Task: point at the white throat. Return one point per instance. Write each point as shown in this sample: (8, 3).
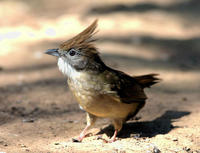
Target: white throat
(67, 69)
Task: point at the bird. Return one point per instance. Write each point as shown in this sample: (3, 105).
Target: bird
(101, 91)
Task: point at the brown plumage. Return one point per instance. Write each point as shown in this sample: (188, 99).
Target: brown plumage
(83, 41)
(100, 90)
(147, 80)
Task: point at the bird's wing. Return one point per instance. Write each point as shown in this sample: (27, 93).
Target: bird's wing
(123, 88)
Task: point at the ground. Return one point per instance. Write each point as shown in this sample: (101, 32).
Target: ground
(38, 112)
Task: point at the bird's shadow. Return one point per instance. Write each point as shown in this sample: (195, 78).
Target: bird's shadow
(161, 125)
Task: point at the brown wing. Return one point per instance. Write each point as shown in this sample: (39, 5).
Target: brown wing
(123, 88)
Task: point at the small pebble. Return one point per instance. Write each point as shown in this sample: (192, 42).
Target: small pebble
(3, 143)
(22, 145)
(71, 121)
(28, 120)
(175, 139)
(99, 137)
(57, 143)
(184, 99)
(136, 136)
(186, 149)
(156, 150)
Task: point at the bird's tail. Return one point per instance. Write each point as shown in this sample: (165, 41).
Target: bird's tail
(147, 80)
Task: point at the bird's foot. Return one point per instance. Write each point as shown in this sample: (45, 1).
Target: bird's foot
(107, 141)
(79, 139)
(113, 139)
(76, 140)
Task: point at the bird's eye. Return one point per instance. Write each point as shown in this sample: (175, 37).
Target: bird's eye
(72, 52)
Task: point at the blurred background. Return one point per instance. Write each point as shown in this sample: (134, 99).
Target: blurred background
(135, 36)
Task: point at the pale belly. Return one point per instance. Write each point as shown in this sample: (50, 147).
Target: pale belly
(100, 105)
(103, 106)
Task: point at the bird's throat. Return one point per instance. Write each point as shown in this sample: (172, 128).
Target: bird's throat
(67, 69)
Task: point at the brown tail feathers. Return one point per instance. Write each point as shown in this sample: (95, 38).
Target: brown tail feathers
(147, 80)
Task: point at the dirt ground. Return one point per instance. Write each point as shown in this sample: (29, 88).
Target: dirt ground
(39, 114)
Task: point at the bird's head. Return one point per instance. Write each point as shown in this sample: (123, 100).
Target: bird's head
(78, 53)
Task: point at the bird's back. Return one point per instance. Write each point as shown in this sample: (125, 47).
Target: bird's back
(111, 94)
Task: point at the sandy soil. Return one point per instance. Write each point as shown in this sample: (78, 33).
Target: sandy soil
(39, 114)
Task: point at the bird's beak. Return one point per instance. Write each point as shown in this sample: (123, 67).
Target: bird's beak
(53, 52)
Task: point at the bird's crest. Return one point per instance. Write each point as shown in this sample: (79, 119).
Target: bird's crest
(83, 41)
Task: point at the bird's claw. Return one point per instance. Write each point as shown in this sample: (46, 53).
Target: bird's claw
(106, 141)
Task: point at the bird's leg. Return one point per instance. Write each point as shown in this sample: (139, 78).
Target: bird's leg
(113, 139)
(117, 123)
(90, 121)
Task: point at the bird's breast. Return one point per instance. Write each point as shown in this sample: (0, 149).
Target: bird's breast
(84, 84)
(85, 88)
(89, 93)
